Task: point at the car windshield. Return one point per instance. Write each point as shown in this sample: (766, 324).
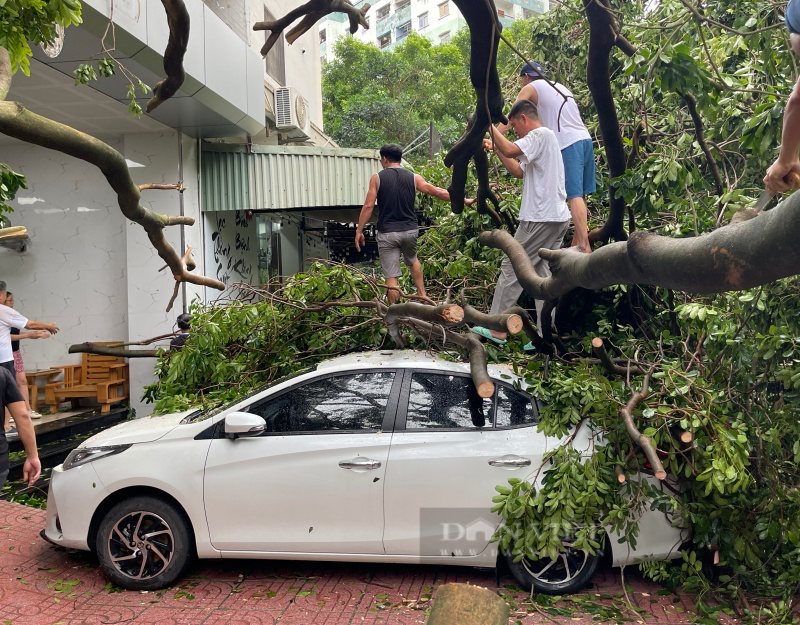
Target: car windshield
(206, 413)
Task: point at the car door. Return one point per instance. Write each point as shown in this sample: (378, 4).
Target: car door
(313, 481)
(449, 451)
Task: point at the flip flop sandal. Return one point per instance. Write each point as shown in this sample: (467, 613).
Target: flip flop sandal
(529, 347)
(484, 332)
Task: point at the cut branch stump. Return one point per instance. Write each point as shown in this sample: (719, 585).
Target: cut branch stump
(463, 604)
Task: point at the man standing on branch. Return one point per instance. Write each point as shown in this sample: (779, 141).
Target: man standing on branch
(395, 189)
(543, 215)
(787, 162)
(11, 398)
(559, 112)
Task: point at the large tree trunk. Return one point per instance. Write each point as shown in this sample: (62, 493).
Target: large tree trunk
(735, 257)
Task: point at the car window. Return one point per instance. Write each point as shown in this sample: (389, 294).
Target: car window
(514, 408)
(342, 402)
(446, 401)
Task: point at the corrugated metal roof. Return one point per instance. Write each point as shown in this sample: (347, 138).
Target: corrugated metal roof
(283, 177)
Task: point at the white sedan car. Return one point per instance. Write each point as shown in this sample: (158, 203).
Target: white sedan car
(371, 457)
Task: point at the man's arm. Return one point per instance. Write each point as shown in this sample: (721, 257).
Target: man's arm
(511, 164)
(528, 92)
(423, 186)
(52, 328)
(36, 334)
(787, 160)
(366, 210)
(32, 467)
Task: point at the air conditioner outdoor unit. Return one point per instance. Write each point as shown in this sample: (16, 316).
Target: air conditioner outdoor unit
(291, 113)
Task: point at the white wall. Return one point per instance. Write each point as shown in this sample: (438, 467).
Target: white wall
(74, 270)
(156, 157)
(87, 268)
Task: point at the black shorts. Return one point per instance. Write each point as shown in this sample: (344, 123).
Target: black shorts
(792, 16)
(10, 366)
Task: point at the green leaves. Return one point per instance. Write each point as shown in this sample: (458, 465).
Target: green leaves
(10, 184)
(32, 22)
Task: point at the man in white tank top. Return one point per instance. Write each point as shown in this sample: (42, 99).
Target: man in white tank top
(559, 112)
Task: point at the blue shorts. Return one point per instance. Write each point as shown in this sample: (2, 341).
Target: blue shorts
(579, 171)
(792, 16)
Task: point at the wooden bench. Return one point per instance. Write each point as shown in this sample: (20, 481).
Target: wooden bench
(103, 378)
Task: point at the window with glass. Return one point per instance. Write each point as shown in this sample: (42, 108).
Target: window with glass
(403, 30)
(444, 9)
(382, 12)
(354, 402)
(514, 408)
(402, 4)
(323, 35)
(423, 20)
(439, 401)
(444, 37)
(385, 40)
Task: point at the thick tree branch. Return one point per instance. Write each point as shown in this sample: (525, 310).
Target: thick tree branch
(735, 257)
(108, 350)
(5, 73)
(18, 122)
(626, 412)
(311, 12)
(178, 20)
(444, 314)
(504, 322)
(603, 35)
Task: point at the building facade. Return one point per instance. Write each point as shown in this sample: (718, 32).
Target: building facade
(390, 21)
(93, 272)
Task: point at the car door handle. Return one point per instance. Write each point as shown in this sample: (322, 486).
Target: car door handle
(510, 462)
(360, 464)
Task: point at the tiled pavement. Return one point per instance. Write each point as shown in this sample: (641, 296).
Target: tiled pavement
(43, 585)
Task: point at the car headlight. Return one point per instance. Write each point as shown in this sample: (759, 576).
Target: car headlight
(85, 455)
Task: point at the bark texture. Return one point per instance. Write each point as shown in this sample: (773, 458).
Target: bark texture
(311, 12)
(178, 20)
(603, 36)
(735, 257)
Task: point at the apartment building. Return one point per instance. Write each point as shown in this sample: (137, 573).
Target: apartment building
(391, 21)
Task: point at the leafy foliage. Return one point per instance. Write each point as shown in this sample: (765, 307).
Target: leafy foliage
(372, 97)
(26, 22)
(10, 183)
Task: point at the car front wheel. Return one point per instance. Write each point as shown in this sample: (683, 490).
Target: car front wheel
(568, 573)
(144, 543)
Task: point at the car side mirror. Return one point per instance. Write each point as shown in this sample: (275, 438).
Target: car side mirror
(241, 424)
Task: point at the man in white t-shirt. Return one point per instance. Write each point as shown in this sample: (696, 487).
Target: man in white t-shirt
(543, 214)
(10, 318)
(558, 111)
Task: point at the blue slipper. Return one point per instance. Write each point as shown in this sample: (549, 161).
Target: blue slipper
(13, 430)
(529, 347)
(481, 331)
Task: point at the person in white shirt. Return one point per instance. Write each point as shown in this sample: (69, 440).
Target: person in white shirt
(558, 111)
(543, 214)
(10, 318)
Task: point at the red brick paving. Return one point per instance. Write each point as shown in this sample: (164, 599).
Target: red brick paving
(44, 585)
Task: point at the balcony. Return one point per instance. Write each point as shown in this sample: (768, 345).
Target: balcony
(392, 21)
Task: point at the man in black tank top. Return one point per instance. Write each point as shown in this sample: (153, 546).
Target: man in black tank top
(395, 190)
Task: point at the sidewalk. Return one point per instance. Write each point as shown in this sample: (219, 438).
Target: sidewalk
(44, 585)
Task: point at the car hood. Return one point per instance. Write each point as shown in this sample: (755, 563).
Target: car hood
(142, 430)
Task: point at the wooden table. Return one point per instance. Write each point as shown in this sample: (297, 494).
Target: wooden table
(34, 389)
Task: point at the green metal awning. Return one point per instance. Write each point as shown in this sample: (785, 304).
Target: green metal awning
(284, 177)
